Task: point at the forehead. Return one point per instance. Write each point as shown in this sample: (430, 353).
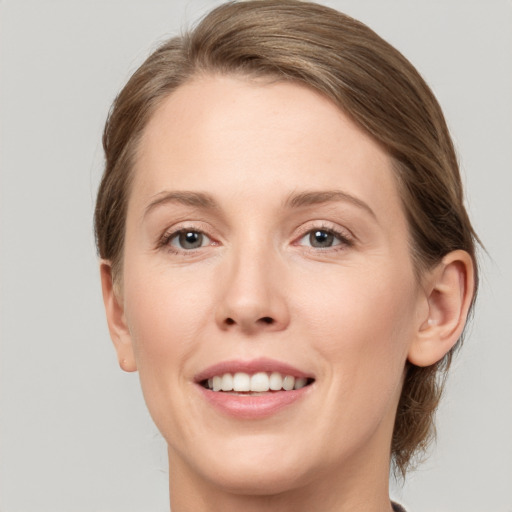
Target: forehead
(252, 139)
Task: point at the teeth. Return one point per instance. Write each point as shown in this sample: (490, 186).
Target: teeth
(288, 383)
(260, 382)
(241, 382)
(227, 382)
(217, 383)
(300, 382)
(276, 381)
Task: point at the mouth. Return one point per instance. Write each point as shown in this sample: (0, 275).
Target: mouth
(256, 389)
(254, 384)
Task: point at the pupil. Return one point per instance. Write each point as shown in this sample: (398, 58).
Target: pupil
(191, 240)
(321, 239)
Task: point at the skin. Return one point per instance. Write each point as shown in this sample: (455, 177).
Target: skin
(350, 314)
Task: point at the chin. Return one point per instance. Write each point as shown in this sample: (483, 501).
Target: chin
(251, 467)
(247, 479)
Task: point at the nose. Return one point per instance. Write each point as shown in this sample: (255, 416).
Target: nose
(252, 294)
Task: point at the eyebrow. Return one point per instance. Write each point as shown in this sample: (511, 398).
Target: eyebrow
(195, 199)
(310, 198)
(295, 200)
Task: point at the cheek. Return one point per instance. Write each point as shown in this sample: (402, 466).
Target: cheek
(362, 324)
(359, 300)
(164, 312)
(165, 317)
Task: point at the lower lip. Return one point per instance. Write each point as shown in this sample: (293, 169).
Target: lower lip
(253, 406)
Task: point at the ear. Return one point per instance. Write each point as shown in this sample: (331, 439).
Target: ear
(449, 289)
(117, 327)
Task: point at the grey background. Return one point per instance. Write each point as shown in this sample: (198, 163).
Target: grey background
(75, 435)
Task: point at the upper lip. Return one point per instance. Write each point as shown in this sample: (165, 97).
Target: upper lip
(251, 366)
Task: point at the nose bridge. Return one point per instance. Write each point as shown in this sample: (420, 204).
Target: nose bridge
(251, 295)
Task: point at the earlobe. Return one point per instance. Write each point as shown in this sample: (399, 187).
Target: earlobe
(119, 332)
(449, 288)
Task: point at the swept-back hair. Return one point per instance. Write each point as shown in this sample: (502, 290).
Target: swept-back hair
(368, 80)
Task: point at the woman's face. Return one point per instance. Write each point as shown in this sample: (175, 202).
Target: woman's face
(265, 238)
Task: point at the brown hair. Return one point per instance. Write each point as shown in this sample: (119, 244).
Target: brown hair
(362, 74)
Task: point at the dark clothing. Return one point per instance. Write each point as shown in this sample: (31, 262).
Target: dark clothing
(397, 507)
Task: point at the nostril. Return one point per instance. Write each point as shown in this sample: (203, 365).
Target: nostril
(263, 320)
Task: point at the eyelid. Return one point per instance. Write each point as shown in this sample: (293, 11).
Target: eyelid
(344, 234)
(168, 234)
(172, 237)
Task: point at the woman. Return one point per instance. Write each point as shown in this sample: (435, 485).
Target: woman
(286, 257)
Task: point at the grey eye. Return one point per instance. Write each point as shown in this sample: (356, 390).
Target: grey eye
(189, 240)
(320, 239)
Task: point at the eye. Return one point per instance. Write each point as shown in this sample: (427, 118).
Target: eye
(188, 239)
(322, 239)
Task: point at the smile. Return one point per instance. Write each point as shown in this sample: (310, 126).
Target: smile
(260, 382)
(255, 389)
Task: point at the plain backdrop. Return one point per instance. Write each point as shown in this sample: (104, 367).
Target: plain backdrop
(75, 434)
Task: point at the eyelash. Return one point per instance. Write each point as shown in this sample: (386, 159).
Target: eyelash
(345, 240)
(167, 237)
